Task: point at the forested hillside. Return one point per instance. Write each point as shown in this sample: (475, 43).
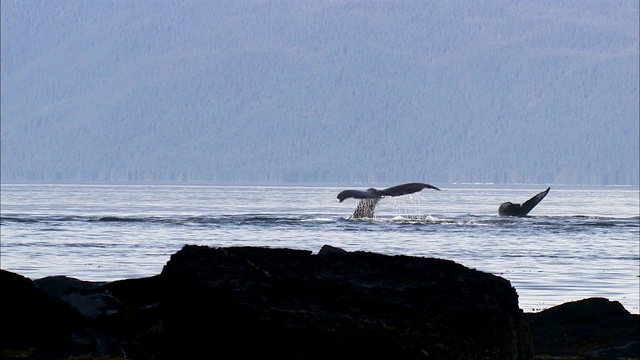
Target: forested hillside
(320, 91)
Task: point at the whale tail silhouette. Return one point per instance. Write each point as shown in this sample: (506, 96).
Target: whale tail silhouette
(511, 209)
(368, 199)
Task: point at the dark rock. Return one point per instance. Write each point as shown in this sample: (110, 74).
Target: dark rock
(29, 318)
(589, 328)
(140, 326)
(290, 304)
(243, 302)
(138, 293)
(90, 299)
(88, 342)
(328, 249)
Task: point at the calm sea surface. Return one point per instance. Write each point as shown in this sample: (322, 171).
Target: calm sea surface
(579, 242)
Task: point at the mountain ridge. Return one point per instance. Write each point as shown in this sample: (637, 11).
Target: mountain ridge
(340, 91)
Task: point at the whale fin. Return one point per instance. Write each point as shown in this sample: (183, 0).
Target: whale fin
(511, 209)
(528, 205)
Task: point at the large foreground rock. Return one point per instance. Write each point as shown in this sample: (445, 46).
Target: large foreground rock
(243, 302)
(290, 304)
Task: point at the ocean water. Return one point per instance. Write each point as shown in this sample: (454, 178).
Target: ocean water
(579, 242)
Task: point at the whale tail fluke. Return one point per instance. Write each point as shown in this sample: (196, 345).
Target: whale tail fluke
(368, 199)
(358, 194)
(511, 209)
(405, 189)
(528, 205)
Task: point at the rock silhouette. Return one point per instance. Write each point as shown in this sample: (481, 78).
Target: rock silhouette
(240, 302)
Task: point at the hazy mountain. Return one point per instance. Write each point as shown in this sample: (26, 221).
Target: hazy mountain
(321, 91)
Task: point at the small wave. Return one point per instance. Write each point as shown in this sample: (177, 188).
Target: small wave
(319, 220)
(120, 219)
(38, 219)
(17, 219)
(415, 219)
(431, 220)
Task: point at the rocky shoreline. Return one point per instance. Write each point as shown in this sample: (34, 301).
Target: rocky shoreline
(243, 302)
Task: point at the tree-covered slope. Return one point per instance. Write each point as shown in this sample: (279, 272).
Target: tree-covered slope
(328, 91)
